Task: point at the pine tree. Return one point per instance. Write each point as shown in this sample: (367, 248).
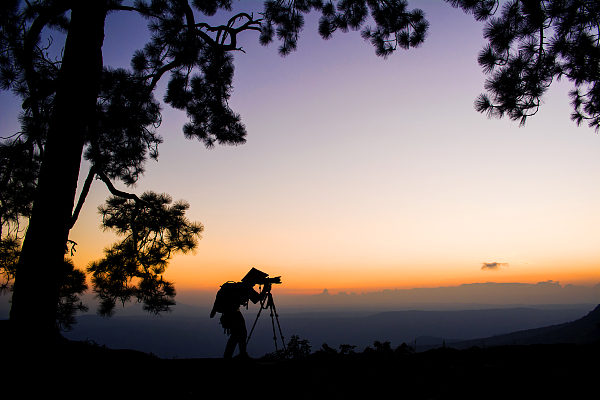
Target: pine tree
(76, 107)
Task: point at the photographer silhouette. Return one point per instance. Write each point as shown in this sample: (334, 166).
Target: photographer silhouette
(230, 297)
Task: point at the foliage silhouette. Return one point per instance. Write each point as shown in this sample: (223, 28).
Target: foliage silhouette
(395, 25)
(133, 267)
(112, 119)
(72, 286)
(295, 349)
(72, 283)
(381, 349)
(531, 44)
(347, 349)
(10, 249)
(326, 350)
(404, 349)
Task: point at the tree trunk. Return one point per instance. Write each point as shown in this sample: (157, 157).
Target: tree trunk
(35, 297)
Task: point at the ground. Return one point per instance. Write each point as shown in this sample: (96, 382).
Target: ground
(77, 369)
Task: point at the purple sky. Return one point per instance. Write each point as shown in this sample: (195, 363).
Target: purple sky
(362, 173)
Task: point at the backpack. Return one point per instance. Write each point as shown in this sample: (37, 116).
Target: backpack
(229, 297)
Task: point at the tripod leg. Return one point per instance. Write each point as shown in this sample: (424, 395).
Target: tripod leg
(256, 320)
(273, 324)
(278, 325)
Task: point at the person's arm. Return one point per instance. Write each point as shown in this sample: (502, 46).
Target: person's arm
(255, 297)
(266, 289)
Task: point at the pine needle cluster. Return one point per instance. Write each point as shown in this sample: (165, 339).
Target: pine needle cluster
(533, 43)
(395, 25)
(153, 231)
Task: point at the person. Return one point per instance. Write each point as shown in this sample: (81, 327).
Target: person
(230, 297)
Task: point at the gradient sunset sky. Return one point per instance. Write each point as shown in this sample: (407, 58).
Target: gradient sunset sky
(363, 174)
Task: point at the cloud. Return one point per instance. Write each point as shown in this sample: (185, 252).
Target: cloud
(493, 266)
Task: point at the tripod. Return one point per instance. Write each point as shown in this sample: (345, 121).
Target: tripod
(269, 304)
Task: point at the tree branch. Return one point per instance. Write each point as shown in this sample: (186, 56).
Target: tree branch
(26, 57)
(116, 192)
(228, 30)
(83, 195)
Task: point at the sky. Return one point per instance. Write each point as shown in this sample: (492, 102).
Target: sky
(363, 174)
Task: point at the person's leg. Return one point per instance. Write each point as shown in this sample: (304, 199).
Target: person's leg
(230, 347)
(238, 335)
(227, 321)
(243, 336)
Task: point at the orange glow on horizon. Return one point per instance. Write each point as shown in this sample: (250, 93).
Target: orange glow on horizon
(213, 265)
(295, 281)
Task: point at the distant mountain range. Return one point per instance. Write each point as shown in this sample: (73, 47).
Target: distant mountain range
(201, 337)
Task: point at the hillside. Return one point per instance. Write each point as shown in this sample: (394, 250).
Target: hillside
(585, 330)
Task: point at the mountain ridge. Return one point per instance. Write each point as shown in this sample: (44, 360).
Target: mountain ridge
(585, 330)
(200, 336)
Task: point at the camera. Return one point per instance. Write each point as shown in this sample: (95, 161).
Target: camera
(257, 277)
